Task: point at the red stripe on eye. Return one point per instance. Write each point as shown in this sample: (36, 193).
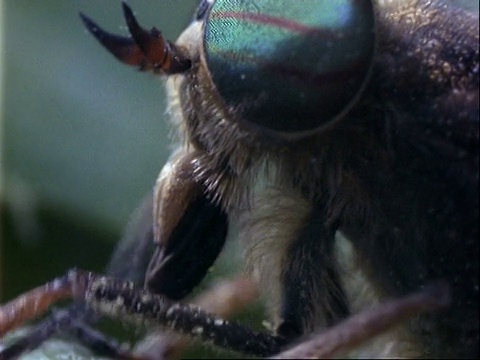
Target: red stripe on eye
(319, 80)
(273, 21)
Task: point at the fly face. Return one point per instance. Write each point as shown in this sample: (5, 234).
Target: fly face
(301, 121)
(359, 118)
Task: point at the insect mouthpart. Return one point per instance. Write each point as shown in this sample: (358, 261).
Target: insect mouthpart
(146, 49)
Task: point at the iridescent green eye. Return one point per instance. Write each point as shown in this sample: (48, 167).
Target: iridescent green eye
(289, 66)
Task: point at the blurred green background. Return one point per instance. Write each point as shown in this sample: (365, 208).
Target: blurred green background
(84, 136)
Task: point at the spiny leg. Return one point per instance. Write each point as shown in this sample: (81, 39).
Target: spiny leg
(312, 293)
(72, 322)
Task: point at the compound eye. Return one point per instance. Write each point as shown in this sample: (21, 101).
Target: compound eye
(289, 66)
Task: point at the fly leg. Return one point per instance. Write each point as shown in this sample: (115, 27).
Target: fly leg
(312, 293)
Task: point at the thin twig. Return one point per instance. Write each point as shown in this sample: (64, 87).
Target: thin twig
(34, 303)
(122, 300)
